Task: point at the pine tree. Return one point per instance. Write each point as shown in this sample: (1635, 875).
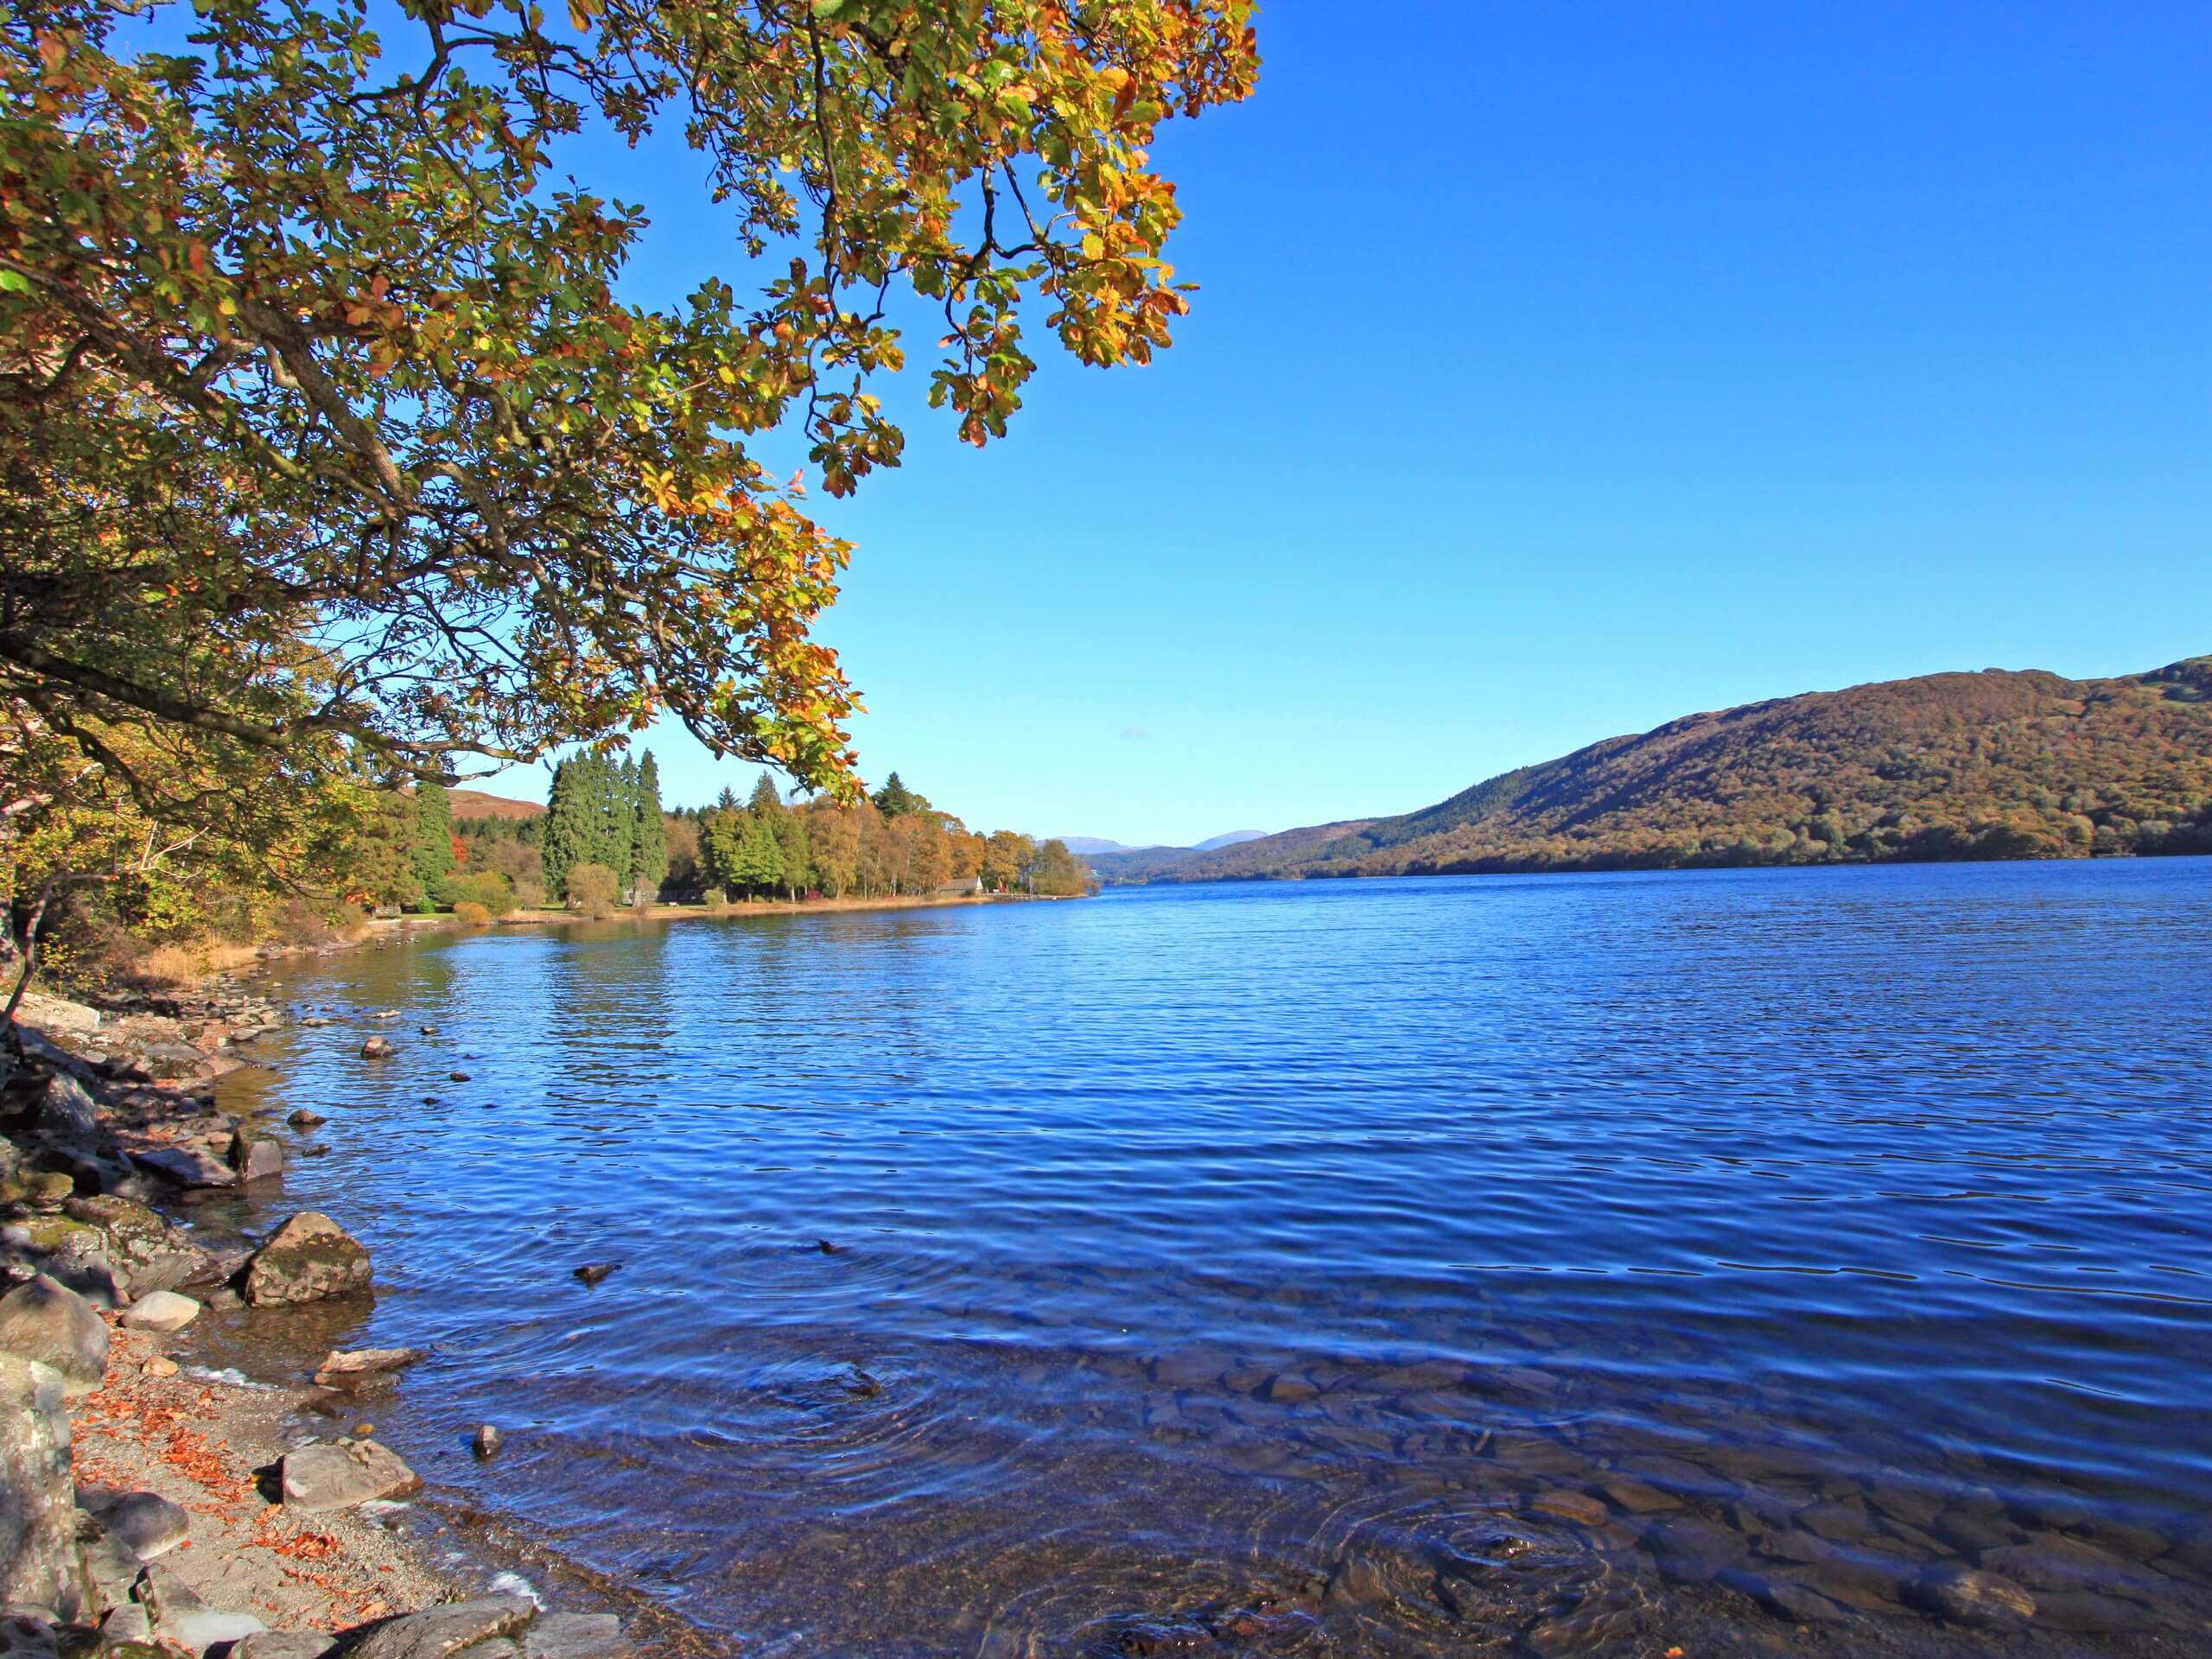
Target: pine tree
(894, 799)
(648, 830)
(618, 814)
(759, 861)
(569, 839)
(765, 802)
(431, 845)
(791, 839)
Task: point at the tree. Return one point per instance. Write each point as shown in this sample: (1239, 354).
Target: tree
(648, 828)
(791, 842)
(1006, 860)
(757, 860)
(895, 800)
(833, 840)
(431, 845)
(593, 888)
(567, 838)
(311, 351)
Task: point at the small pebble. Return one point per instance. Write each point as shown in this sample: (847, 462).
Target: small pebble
(159, 1365)
(486, 1442)
(457, 1076)
(428, 1031)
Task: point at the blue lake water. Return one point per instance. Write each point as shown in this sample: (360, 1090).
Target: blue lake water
(1583, 1263)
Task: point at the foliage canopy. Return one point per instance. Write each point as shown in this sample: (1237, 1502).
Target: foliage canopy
(323, 430)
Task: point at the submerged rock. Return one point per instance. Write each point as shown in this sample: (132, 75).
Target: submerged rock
(47, 1322)
(592, 1271)
(1966, 1597)
(302, 1118)
(338, 1475)
(576, 1635)
(486, 1442)
(379, 1048)
(355, 1366)
(310, 1257)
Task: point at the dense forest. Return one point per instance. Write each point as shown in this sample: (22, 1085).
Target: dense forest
(604, 839)
(1993, 765)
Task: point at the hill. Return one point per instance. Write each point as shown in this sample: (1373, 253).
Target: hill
(1993, 765)
(476, 804)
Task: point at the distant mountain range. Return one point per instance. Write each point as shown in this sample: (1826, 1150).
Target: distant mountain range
(1090, 845)
(1993, 765)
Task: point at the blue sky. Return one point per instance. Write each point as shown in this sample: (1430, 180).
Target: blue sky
(1559, 370)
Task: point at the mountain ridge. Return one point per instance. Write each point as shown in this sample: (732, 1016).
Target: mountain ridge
(2001, 764)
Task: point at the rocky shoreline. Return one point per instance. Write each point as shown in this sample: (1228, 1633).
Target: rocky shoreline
(154, 1504)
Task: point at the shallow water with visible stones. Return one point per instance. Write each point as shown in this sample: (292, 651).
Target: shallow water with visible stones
(1758, 1261)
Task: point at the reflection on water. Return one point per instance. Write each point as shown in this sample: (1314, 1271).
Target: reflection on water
(1764, 1261)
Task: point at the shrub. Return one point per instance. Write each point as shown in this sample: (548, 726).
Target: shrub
(713, 898)
(528, 891)
(469, 913)
(593, 889)
(487, 888)
(298, 923)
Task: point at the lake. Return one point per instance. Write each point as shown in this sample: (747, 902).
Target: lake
(1730, 1260)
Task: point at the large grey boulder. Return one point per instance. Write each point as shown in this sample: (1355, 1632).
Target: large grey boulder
(39, 1562)
(311, 1257)
(337, 1475)
(145, 1523)
(436, 1632)
(150, 1253)
(66, 1117)
(45, 1321)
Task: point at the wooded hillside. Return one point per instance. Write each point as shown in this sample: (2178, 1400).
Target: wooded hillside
(1993, 765)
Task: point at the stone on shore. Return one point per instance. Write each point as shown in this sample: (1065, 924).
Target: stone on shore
(65, 1116)
(436, 1632)
(576, 1635)
(47, 1322)
(255, 1160)
(311, 1257)
(145, 1523)
(39, 1562)
(359, 1365)
(191, 1166)
(338, 1475)
(161, 1310)
(284, 1644)
(182, 1619)
(150, 1253)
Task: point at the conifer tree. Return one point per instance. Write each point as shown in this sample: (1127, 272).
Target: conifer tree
(648, 830)
(759, 861)
(617, 819)
(569, 839)
(431, 848)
